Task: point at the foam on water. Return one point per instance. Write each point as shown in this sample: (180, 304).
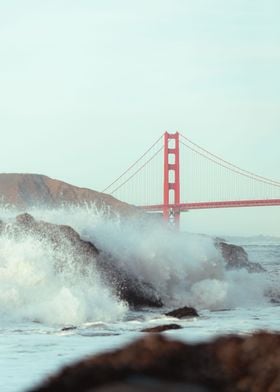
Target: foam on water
(183, 268)
(32, 287)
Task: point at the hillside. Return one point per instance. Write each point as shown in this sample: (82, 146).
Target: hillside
(28, 190)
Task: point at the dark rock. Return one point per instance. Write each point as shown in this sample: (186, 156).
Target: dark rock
(162, 328)
(229, 364)
(59, 236)
(128, 287)
(273, 294)
(184, 312)
(26, 220)
(69, 328)
(275, 300)
(236, 257)
(67, 242)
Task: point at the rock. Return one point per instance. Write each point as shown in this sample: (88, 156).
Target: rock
(26, 220)
(273, 294)
(128, 287)
(236, 257)
(162, 328)
(66, 241)
(229, 364)
(184, 312)
(69, 328)
(58, 235)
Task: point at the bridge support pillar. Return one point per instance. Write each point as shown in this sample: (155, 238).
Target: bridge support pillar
(171, 179)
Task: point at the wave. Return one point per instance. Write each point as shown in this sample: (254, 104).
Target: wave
(182, 268)
(33, 287)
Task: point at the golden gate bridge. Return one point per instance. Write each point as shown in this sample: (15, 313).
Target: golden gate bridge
(176, 175)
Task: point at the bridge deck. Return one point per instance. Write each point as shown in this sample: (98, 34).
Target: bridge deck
(213, 204)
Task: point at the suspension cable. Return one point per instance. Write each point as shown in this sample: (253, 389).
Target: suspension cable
(235, 169)
(250, 174)
(131, 166)
(138, 170)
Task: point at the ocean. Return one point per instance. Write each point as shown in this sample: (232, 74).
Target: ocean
(50, 318)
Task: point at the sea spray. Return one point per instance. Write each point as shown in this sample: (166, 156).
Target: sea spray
(184, 269)
(39, 282)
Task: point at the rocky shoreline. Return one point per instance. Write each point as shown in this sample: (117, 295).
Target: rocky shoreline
(129, 288)
(153, 363)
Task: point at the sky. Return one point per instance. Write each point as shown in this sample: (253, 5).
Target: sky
(87, 86)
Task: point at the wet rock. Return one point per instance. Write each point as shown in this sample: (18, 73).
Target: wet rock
(68, 328)
(162, 328)
(26, 220)
(137, 294)
(273, 294)
(58, 235)
(229, 364)
(275, 300)
(67, 242)
(236, 257)
(127, 287)
(184, 312)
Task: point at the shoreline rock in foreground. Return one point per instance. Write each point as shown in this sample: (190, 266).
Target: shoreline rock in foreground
(229, 364)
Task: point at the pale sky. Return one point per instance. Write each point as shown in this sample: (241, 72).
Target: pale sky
(86, 86)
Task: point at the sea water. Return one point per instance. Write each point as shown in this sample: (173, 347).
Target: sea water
(49, 319)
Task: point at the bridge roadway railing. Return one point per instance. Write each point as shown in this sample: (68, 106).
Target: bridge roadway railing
(213, 204)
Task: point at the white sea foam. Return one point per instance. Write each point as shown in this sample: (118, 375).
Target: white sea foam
(32, 287)
(183, 268)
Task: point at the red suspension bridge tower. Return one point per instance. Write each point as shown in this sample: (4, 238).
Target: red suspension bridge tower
(171, 179)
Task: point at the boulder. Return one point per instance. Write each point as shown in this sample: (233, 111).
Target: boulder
(236, 257)
(66, 241)
(228, 364)
(59, 236)
(184, 312)
(68, 328)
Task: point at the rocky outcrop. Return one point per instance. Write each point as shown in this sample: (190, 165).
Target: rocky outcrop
(67, 242)
(236, 257)
(57, 235)
(124, 284)
(32, 190)
(229, 364)
(184, 312)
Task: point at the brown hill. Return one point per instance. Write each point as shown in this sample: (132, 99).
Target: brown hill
(29, 190)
